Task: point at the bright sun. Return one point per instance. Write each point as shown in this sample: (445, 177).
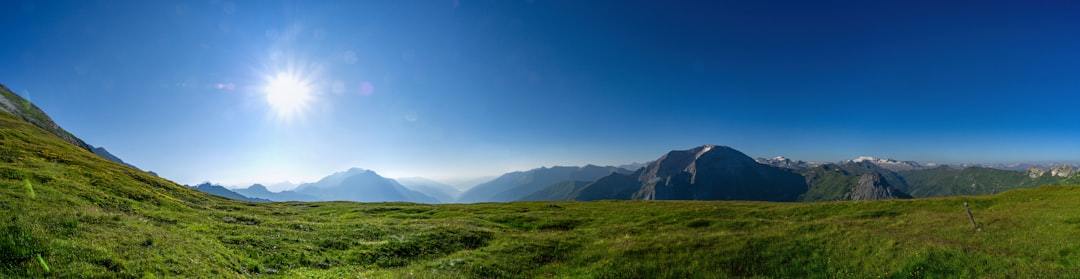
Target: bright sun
(287, 94)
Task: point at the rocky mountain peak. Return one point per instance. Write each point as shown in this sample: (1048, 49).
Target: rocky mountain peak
(685, 161)
(713, 172)
(872, 186)
(258, 188)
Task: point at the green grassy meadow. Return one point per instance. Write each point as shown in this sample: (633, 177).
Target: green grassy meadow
(68, 213)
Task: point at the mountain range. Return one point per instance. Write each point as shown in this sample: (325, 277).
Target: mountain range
(712, 172)
(223, 192)
(708, 172)
(261, 192)
(517, 185)
(890, 164)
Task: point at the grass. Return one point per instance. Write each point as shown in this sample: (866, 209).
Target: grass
(947, 181)
(68, 213)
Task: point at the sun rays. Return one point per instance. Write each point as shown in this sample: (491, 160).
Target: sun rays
(288, 94)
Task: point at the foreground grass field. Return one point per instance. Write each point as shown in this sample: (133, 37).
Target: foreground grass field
(68, 213)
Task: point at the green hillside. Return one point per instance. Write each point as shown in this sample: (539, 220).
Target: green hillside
(833, 182)
(21, 108)
(562, 191)
(948, 181)
(69, 213)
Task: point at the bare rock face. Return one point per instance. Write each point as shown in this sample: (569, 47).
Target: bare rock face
(872, 186)
(712, 172)
(1035, 172)
(1062, 171)
(708, 172)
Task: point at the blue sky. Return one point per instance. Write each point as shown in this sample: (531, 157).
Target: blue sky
(470, 88)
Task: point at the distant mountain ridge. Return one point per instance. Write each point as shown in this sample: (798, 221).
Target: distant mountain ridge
(783, 162)
(221, 191)
(727, 174)
(890, 164)
(361, 185)
(517, 185)
(708, 172)
(261, 192)
(354, 184)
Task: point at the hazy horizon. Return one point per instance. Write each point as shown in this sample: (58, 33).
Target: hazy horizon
(467, 182)
(243, 92)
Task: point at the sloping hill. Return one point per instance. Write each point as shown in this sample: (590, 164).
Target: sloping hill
(23, 109)
(70, 213)
(950, 181)
(78, 211)
(562, 191)
(15, 105)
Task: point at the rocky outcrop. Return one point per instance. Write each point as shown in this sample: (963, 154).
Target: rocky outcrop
(1035, 172)
(872, 186)
(1062, 171)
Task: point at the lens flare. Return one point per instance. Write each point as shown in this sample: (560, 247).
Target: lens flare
(288, 94)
